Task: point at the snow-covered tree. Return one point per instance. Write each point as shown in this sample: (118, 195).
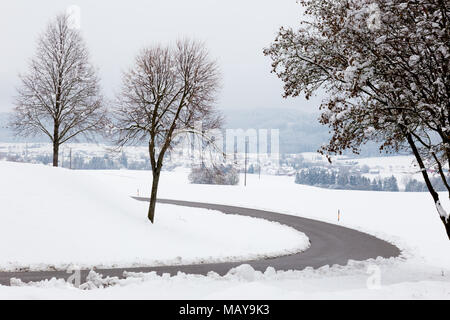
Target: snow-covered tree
(390, 184)
(384, 65)
(167, 91)
(59, 96)
(414, 186)
(217, 175)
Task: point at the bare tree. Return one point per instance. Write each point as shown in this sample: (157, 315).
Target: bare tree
(384, 65)
(167, 91)
(60, 95)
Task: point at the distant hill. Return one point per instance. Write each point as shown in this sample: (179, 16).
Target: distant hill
(6, 135)
(299, 131)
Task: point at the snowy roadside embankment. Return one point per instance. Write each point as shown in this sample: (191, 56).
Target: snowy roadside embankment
(243, 283)
(407, 219)
(54, 218)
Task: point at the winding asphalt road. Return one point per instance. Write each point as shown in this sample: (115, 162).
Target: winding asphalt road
(330, 244)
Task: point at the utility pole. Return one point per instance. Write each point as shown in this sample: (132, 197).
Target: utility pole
(246, 159)
(259, 167)
(259, 164)
(259, 171)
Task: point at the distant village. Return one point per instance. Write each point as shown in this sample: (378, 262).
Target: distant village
(392, 174)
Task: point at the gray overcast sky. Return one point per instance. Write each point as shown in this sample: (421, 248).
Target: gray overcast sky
(234, 31)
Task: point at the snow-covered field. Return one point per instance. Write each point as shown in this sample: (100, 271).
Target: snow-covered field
(402, 167)
(53, 218)
(407, 219)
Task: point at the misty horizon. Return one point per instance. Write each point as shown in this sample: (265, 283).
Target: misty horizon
(235, 33)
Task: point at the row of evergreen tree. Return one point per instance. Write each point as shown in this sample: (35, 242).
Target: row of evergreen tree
(417, 186)
(343, 179)
(82, 162)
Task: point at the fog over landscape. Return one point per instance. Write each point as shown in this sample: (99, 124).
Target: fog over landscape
(225, 150)
(235, 32)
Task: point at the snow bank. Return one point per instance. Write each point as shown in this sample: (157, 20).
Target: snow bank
(54, 218)
(409, 220)
(337, 282)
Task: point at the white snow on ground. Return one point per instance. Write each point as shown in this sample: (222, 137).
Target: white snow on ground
(244, 283)
(53, 218)
(410, 220)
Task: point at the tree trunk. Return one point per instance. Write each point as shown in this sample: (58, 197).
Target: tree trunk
(56, 143)
(444, 218)
(446, 223)
(154, 195)
(55, 154)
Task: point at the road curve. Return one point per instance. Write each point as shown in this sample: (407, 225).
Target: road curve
(330, 244)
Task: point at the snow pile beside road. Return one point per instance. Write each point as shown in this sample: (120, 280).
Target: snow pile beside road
(372, 279)
(54, 218)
